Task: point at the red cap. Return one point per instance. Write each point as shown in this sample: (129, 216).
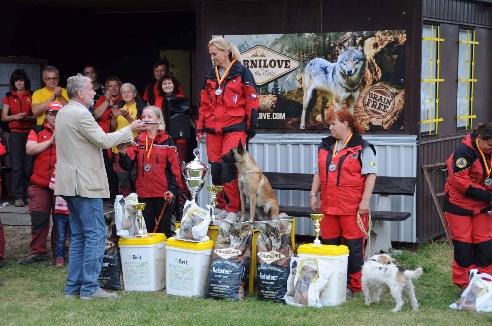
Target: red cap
(54, 107)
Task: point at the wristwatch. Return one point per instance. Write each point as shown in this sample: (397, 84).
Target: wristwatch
(313, 195)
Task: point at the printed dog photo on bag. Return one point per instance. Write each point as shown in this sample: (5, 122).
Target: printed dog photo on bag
(273, 253)
(228, 273)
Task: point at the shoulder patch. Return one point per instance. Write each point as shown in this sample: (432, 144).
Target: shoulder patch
(372, 164)
(461, 162)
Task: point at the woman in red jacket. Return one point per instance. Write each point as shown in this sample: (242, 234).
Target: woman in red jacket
(346, 176)
(468, 204)
(154, 154)
(18, 113)
(228, 114)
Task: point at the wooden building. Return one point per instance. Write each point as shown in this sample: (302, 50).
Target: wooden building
(447, 69)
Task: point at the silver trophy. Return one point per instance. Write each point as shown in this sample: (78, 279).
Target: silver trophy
(194, 173)
(139, 207)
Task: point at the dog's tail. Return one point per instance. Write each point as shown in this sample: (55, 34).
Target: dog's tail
(413, 274)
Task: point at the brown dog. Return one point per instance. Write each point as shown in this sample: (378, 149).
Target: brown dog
(254, 185)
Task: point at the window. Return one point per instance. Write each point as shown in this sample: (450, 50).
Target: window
(466, 78)
(429, 89)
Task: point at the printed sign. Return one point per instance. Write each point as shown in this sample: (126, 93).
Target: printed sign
(301, 77)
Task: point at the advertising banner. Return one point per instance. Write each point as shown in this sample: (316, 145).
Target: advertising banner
(300, 77)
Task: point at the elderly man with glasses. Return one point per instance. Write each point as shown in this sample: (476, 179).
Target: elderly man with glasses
(52, 92)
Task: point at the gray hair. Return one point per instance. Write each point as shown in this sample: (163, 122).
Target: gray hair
(76, 84)
(131, 86)
(50, 69)
(160, 116)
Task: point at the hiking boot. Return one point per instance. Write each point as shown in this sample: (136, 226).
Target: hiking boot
(59, 262)
(100, 294)
(34, 258)
(349, 294)
(19, 203)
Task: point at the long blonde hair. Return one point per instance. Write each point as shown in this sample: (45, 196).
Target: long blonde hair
(158, 113)
(222, 44)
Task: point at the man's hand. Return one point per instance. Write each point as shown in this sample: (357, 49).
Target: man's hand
(137, 125)
(58, 91)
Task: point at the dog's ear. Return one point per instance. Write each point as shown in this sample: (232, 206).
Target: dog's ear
(240, 147)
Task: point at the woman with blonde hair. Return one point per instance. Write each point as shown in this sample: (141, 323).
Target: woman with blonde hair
(154, 156)
(228, 114)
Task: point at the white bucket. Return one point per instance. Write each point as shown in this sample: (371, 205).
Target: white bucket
(337, 256)
(143, 262)
(187, 266)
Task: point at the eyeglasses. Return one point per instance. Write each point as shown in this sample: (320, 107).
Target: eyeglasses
(51, 78)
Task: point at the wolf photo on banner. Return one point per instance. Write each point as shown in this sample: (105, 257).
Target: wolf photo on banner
(303, 76)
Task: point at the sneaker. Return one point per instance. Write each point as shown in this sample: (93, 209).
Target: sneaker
(1, 263)
(59, 262)
(100, 294)
(349, 294)
(72, 295)
(19, 203)
(34, 258)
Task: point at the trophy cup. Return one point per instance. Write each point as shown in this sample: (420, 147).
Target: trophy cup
(213, 191)
(316, 219)
(139, 207)
(194, 173)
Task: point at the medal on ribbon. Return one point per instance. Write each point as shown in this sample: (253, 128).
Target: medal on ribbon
(488, 168)
(332, 167)
(218, 91)
(147, 166)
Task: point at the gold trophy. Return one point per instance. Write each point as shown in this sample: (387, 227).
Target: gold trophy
(213, 190)
(317, 219)
(139, 207)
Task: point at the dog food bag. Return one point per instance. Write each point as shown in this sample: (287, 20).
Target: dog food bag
(111, 275)
(307, 279)
(273, 253)
(477, 296)
(231, 257)
(195, 222)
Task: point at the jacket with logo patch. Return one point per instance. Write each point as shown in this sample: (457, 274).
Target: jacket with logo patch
(341, 189)
(44, 162)
(235, 109)
(164, 173)
(19, 103)
(465, 190)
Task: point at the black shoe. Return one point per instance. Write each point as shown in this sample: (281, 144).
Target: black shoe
(1, 263)
(34, 258)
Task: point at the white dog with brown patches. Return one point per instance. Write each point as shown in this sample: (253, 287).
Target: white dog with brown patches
(380, 270)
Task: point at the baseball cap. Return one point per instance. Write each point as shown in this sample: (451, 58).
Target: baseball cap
(54, 107)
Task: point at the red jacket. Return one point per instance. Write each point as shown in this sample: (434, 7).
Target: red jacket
(19, 103)
(341, 189)
(105, 120)
(465, 190)
(234, 109)
(44, 162)
(164, 173)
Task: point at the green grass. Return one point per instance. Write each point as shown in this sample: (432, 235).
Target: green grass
(33, 295)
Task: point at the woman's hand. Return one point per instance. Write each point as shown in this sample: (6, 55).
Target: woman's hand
(199, 137)
(122, 148)
(115, 110)
(168, 195)
(124, 113)
(313, 202)
(363, 207)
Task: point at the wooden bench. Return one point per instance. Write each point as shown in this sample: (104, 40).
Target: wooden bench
(380, 238)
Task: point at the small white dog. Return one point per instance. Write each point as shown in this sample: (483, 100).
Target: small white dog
(381, 269)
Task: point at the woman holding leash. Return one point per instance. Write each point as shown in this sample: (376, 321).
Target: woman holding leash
(153, 154)
(346, 176)
(228, 104)
(468, 204)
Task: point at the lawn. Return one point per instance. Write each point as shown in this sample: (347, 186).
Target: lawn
(33, 295)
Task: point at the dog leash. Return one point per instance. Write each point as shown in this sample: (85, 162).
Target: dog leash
(361, 226)
(167, 201)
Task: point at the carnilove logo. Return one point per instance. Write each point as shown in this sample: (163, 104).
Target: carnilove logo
(270, 257)
(378, 101)
(227, 253)
(267, 65)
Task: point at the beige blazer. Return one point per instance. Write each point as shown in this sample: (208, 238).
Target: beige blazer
(79, 139)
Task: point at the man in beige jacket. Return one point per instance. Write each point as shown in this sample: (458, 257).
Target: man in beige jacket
(81, 180)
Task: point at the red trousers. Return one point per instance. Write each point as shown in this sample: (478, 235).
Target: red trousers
(343, 229)
(225, 174)
(41, 204)
(472, 245)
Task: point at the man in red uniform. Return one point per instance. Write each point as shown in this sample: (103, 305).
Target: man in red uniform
(41, 142)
